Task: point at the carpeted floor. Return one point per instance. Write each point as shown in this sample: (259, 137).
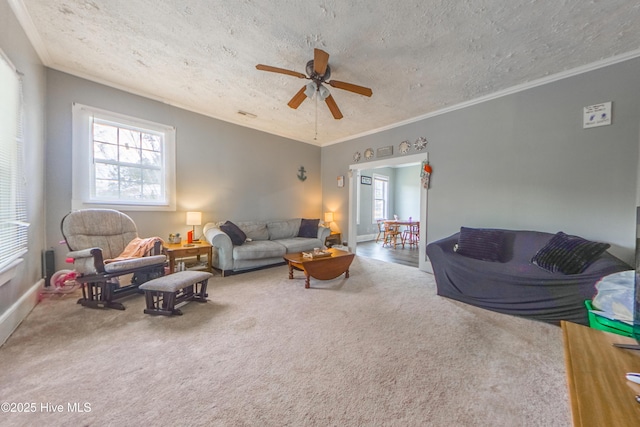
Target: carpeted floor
(377, 349)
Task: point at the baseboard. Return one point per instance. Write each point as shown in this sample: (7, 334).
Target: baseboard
(366, 238)
(428, 268)
(12, 318)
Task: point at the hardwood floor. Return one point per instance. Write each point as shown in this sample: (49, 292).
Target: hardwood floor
(405, 256)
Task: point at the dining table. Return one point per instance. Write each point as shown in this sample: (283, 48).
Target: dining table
(407, 222)
(409, 235)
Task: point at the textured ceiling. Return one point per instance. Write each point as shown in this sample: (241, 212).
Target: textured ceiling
(418, 56)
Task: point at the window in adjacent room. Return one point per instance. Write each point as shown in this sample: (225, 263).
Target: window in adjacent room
(13, 206)
(380, 197)
(122, 162)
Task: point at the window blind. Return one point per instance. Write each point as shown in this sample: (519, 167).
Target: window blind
(13, 207)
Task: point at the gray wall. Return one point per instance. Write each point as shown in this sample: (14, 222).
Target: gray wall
(17, 47)
(224, 170)
(406, 189)
(523, 161)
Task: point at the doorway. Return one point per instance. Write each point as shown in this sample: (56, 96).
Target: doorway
(354, 182)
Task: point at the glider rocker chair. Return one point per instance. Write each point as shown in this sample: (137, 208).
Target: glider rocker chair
(97, 239)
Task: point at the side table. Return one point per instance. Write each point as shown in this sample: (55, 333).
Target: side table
(185, 250)
(599, 392)
(333, 239)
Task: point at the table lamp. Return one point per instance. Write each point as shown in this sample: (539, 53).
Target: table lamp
(193, 219)
(328, 220)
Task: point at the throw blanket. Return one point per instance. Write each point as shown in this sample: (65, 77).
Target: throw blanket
(136, 248)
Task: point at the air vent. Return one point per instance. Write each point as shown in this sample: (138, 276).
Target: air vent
(244, 113)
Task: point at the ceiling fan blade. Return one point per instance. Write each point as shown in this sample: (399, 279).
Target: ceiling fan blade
(333, 107)
(297, 98)
(320, 61)
(280, 70)
(361, 90)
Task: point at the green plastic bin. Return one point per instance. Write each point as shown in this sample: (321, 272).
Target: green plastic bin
(603, 324)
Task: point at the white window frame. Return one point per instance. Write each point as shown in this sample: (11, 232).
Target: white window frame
(82, 160)
(378, 177)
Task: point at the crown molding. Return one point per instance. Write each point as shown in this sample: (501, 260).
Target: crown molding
(509, 91)
(30, 30)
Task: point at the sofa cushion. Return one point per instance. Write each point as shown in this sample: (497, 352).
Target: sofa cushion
(284, 229)
(482, 244)
(234, 232)
(299, 244)
(308, 228)
(568, 254)
(257, 249)
(255, 230)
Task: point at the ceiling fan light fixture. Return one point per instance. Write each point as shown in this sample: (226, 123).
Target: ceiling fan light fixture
(311, 89)
(323, 93)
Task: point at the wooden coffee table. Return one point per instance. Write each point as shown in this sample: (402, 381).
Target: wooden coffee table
(326, 268)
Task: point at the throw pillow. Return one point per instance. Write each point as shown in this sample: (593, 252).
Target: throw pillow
(308, 228)
(233, 231)
(482, 244)
(568, 254)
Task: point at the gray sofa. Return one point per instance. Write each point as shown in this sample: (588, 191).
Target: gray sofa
(266, 243)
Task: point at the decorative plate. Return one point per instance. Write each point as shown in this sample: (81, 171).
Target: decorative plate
(356, 156)
(368, 154)
(421, 143)
(404, 147)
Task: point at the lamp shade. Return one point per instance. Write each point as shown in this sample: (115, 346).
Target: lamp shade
(328, 217)
(310, 90)
(323, 93)
(194, 218)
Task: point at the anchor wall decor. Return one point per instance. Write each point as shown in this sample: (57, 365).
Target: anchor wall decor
(302, 174)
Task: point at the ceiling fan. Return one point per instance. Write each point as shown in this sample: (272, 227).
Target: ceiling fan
(319, 72)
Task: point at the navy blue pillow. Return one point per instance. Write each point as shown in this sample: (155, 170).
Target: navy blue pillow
(479, 243)
(233, 231)
(308, 228)
(568, 254)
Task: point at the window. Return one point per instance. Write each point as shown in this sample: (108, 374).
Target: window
(13, 206)
(120, 161)
(380, 197)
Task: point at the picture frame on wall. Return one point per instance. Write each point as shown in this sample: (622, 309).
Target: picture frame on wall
(340, 181)
(385, 151)
(366, 180)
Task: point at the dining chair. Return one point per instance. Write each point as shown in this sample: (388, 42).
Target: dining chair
(391, 234)
(380, 223)
(411, 235)
(406, 233)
